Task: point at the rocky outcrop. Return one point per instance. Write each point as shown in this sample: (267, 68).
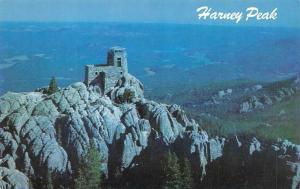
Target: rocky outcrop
(270, 95)
(12, 178)
(127, 89)
(250, 104)
(41, 133)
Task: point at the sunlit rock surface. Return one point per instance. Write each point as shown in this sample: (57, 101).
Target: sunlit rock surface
(41, 133)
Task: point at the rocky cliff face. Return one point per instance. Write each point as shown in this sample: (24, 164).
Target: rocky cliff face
(41, 133)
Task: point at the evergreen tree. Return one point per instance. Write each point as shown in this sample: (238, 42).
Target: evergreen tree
(30, 182)
(187, 179)
(49, 181)
(52, 86)
(172, 175)
(80, 181)
(93, 173)
(89, 175)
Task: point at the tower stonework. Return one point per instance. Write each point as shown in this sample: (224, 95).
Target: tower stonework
(117, 56)
(106, 75)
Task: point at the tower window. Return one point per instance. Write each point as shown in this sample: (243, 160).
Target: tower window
(119, 61)
(96, 73)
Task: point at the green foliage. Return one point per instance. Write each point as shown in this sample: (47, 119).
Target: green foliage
(279, 120)
(52, 86)
(93, 165)
(89, 175)
(211, 124)
(172, 175)
(31, 182)
(275, 86)
(187, 178)
(80, 181)
(49, 181)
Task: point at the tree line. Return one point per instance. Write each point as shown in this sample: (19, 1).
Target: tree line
(174, 174)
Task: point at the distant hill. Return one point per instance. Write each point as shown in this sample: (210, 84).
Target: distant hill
(267, 109)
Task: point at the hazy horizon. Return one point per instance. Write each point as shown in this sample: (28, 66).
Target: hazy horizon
(145, 11)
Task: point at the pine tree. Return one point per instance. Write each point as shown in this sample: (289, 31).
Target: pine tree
(172, 173)
(89, 175)
(52, 86)
(80, 181)
(30, 182)
(187, 179)
(49, 181)
(93, 173)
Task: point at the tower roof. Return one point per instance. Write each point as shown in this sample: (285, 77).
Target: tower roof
(117, 48)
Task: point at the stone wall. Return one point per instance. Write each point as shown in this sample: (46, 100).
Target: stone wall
(104, 76)
(115, 54)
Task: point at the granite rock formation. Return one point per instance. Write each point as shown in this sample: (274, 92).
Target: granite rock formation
(41, 133)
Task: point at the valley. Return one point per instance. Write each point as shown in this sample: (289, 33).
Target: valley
(269, 110)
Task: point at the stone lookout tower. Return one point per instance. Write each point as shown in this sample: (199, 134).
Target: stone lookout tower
(107, 75)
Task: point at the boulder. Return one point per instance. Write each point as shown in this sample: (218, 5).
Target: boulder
(13, 179)
(127, 89)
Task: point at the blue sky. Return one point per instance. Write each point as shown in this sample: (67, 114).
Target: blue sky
(170, 11)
